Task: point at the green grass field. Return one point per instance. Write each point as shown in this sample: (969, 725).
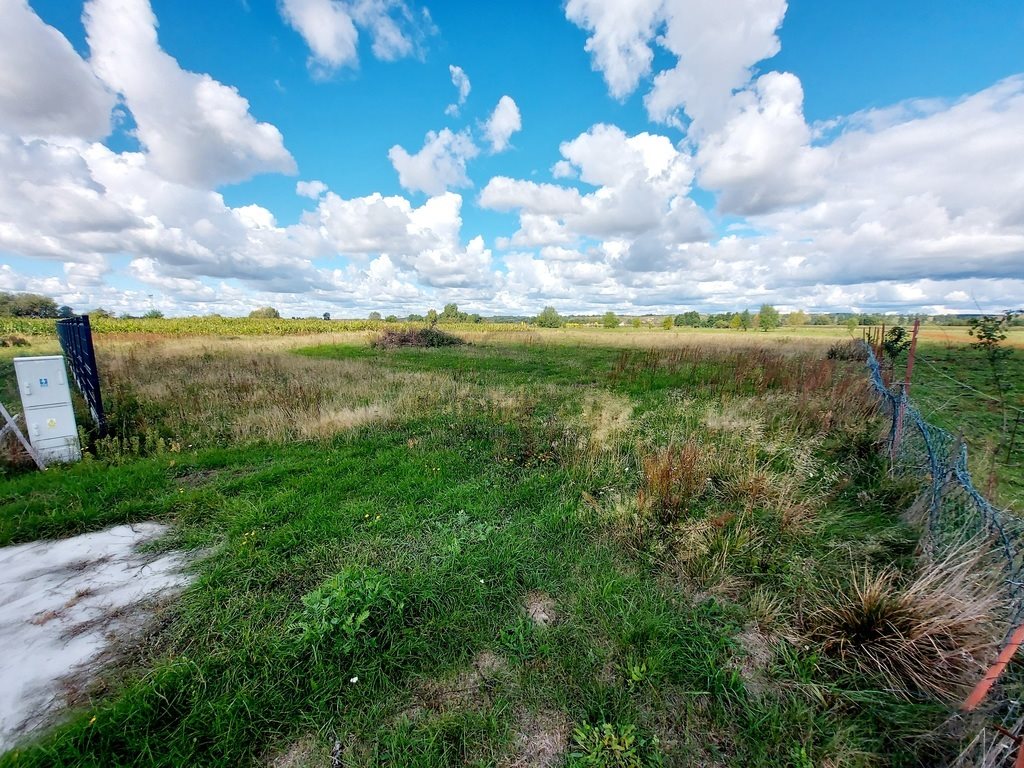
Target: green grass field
(954, 390)
(536, 549)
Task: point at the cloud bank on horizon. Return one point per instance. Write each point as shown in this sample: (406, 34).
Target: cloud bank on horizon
(125, 175)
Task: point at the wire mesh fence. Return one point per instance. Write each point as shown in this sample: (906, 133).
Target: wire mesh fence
(956, 515)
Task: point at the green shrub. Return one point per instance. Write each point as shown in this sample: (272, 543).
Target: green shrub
(848, 350)
(416, 337)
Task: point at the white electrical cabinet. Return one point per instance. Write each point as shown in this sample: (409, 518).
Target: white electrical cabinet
(46, 398)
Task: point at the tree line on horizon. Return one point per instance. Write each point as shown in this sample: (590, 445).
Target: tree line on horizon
(767, 317)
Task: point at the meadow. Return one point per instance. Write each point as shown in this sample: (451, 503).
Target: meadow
(585, 547)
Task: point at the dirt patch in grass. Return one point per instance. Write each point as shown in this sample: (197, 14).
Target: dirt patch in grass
(756, 658)
(466, 689)
(540, 608)
(542, 739)
(195, 478)
(307, 752)
(686, 734)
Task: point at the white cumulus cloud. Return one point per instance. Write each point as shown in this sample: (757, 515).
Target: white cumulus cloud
(714, 44)
(195, 129)
(331, 30)
(440, 163)
(503, 122)
(45, 86)
(311, 189)
(642, 186)
(461, 82)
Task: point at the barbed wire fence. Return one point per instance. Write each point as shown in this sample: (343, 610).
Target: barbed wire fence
(957, 515)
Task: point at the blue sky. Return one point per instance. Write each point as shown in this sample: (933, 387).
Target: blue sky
(849, 157)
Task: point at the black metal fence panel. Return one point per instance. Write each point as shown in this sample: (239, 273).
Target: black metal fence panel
(75, 336)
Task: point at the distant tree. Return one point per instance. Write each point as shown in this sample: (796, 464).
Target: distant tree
(65, 312)
(375, 315)
(549, 318)
(451, 314)
(690, 318)
(746, 321)
(667, 323)
(414, 318)
(851, 324)
(27, 305)
(768, 317)
(391, 319)
(153, 314)
(797, 318)
(610, 320)
(735, 322)
(823, 319)
(432, 316)
(100, 312)
(266, 312)
(636, 322)
(327, 315)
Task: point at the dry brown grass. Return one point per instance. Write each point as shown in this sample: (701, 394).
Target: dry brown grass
(935, 633)
(201, 392)
(605, 418)
(215, 391)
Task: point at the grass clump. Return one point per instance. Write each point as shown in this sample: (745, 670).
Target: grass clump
(673, 480)
(416, 337)
(934, 633)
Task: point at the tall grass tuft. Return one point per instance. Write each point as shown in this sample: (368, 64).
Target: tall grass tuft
(674, 478)
(935, 633)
